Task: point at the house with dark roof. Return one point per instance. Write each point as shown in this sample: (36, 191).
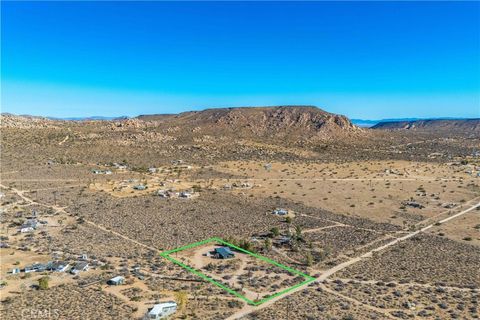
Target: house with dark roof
(223, 253)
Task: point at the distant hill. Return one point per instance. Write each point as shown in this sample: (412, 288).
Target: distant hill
(368, 123)
(91, 118)
(294, 121)
(439, 125)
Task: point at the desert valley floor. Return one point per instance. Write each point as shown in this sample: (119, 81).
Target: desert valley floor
(387, 223)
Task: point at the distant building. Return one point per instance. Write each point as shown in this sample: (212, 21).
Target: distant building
(152, 170)
(30, 223)
(36, 267)
(163, 193)
(413, 204)
(98, 171)
(223, 253)
(140, 187)
(15, 271)
(185, 194)
(283, 240)
(120, 166)
(26, 229)
(116, 281)
(280, 212)
(58, 266)
(161, 310)
(79, 267)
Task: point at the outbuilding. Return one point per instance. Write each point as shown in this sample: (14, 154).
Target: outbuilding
(280, 212)
(58, 266)
(79, 266)
(116, 281)
(161, 310)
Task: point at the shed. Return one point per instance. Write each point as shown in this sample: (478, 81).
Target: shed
(79, 266)
(58, 266)
(185, 194)
(161, 310)
(36, 267)
(280, 212)
(115, 281)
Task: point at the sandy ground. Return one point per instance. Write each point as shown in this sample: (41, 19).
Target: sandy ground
(465, 229)
(195, 257)
(374, 190)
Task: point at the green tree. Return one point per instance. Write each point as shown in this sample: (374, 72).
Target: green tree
(275, 232)
(246, 244)
(43, 283)
(268, 244)
(309, 259)
(181, 297)
(298, 232)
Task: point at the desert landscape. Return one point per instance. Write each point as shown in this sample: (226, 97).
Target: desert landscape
(239, 160)
(384, 220)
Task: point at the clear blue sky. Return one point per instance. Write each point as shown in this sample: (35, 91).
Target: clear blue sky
(366, 60)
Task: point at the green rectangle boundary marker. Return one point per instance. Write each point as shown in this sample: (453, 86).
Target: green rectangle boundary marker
(166, 255)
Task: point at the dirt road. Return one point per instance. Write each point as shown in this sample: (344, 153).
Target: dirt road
(246, 310)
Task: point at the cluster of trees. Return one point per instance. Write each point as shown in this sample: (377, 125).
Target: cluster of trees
(241, 243)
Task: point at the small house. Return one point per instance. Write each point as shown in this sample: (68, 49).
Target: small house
(161, 310)
(36, 267)
(26, 229)
(152, 170)
(164, 193)
(223, 253)
(413, 204)
(140, 187)
(280, 212)
(58, 266)
(185, 194)
(96, 171)
(15, 271)
(116, 281)
(29, 225)
(79, 267)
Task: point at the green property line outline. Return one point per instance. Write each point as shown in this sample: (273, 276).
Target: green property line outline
(166, 255)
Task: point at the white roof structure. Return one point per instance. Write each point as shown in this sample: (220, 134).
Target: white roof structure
(162, 309)
(117, 278)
